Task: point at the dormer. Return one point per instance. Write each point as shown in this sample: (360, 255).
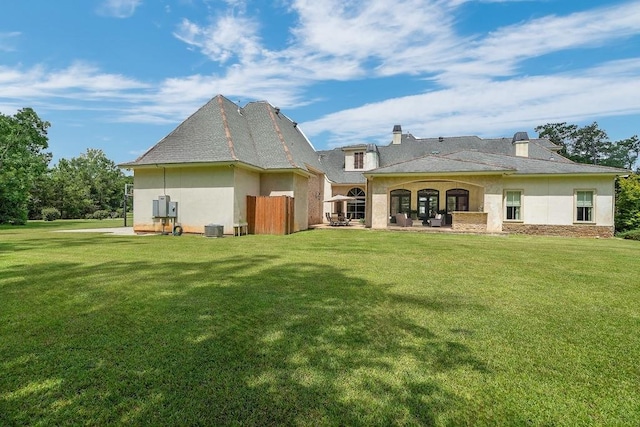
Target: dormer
(360, 158)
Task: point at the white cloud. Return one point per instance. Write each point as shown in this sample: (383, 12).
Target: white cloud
(228, 37)
(7, 41)
(516, 104)
(346, 40)
(79, 81)
(119, 8)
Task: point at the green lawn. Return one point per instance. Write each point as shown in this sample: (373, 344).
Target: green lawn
(325, 327)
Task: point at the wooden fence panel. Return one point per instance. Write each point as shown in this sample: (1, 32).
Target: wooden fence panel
(270, 215)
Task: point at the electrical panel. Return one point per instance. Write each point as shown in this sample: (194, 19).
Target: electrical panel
(172, 212)
(165, 208)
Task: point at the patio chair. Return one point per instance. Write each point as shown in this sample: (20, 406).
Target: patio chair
(402, 220)
(436, 222)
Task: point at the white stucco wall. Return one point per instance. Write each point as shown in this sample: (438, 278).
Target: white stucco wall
(292, 185)
(551, 200)
(247, 183)
(205, 195)
(276, 184)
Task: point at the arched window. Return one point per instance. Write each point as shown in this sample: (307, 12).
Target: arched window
(428, 203)
(457, 200)
(355, 208)
(400, 202)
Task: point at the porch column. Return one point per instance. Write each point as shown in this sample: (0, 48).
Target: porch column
(379, 204)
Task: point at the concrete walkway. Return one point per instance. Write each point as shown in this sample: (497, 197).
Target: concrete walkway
(116, 231)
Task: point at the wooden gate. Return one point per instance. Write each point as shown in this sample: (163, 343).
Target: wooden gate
(270, 215)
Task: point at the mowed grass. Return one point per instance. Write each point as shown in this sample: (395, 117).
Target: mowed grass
(324, 327)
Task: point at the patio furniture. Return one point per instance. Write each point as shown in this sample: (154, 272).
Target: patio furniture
(334, 220)
(402, 220)
(436, 222)
(331, 219)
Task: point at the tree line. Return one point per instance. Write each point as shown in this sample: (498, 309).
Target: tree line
(92, 185)
(81, 187)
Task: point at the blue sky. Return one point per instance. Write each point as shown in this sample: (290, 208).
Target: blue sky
(120, 74)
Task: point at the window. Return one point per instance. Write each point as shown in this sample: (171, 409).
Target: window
(513, 204)
(457, 200)
(584, 204)
(428, 203)
(358, 160)
(355, 208)
(400, 202)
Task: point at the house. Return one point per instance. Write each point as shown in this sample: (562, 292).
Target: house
(222, 154)
(216, 158)
(515, 185)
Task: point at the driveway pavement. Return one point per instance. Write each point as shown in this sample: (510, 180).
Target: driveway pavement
(117, 231)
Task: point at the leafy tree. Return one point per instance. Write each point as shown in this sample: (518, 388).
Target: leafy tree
(590, 144)
(628, 203)
(23, 139)
(623, 153)
(86, 184)
(560, 134)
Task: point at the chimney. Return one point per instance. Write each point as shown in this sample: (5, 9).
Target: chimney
(397, 135)
(520, 142)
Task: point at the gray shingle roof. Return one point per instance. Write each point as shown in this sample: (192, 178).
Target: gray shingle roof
(333, 166)
(262, 136)
(529, 166)
(438, 165)
(258, 135)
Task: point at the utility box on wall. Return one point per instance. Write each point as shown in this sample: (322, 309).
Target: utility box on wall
(165, 208)
(172, 212)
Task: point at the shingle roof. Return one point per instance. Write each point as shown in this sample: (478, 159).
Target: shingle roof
(529, 166)
(333, 167)
(439, 164)
(261, 135)
(258, 135)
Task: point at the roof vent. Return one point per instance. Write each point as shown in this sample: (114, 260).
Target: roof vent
(277, 110)
(440, 138)
(295, 124)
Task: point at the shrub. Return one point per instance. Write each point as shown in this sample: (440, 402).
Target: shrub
(50, 214)
(101, 214)
(631, 235)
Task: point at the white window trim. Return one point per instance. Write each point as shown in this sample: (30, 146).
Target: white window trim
(504, 205)
(593, 207)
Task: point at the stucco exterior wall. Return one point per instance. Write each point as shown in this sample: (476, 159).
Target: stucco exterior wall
(551, 200)
(315, 190)
(247, 183)
(205, 195)
(276, 184)
(301, 203)
(381, 187)
(545, 200)
(293, 185)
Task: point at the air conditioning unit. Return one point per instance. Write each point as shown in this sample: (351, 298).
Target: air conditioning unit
(213, 230)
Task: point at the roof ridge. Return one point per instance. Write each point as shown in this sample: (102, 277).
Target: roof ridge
(227, 130)
(281, 137)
